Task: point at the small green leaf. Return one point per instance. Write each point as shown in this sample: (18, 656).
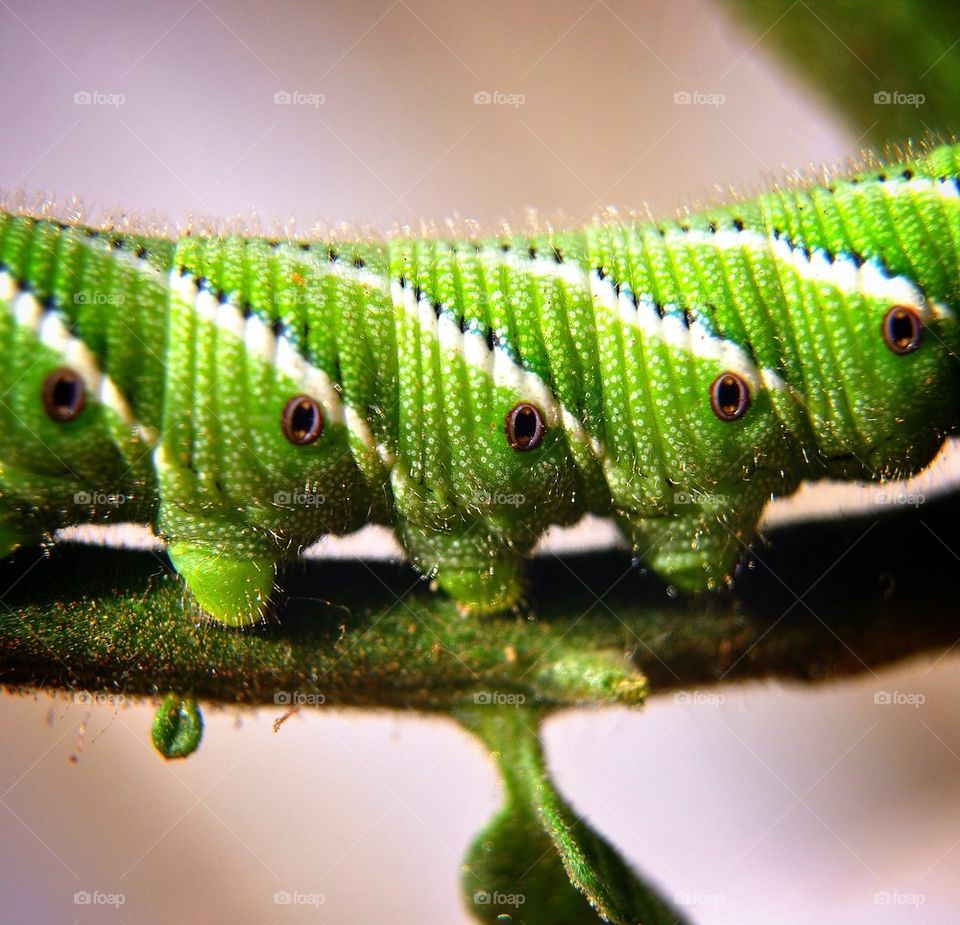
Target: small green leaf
(512, 869)
(537, 861)
(177, 727)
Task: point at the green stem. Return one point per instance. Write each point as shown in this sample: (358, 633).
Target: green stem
(825, 600)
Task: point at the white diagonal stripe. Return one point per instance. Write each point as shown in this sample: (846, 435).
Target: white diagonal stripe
(697, 339)
(50, 330)
(274, 350)
(842, 273)
(496, 363)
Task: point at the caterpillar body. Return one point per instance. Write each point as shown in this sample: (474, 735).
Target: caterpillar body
(246, 396)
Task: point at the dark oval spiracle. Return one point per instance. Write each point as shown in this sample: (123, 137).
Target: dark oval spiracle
(524, 427)
(902, 329)
(302, 420)
(64, 395)
(729, 397)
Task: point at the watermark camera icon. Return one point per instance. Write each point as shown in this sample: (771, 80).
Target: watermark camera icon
(86, 898)
(501, 698)
(899, 698)
(298, 98)
(898, 98)
(98, 98)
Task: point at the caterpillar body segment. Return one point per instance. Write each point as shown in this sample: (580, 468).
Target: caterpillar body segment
(248, 396)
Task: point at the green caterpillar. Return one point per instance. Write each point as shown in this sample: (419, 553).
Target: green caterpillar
(246, 396)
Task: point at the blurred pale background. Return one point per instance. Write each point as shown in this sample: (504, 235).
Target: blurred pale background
(751, 805)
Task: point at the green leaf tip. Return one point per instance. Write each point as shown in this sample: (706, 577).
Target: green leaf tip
(177, 727)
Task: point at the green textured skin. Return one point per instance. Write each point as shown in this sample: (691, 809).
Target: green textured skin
(214, 474)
